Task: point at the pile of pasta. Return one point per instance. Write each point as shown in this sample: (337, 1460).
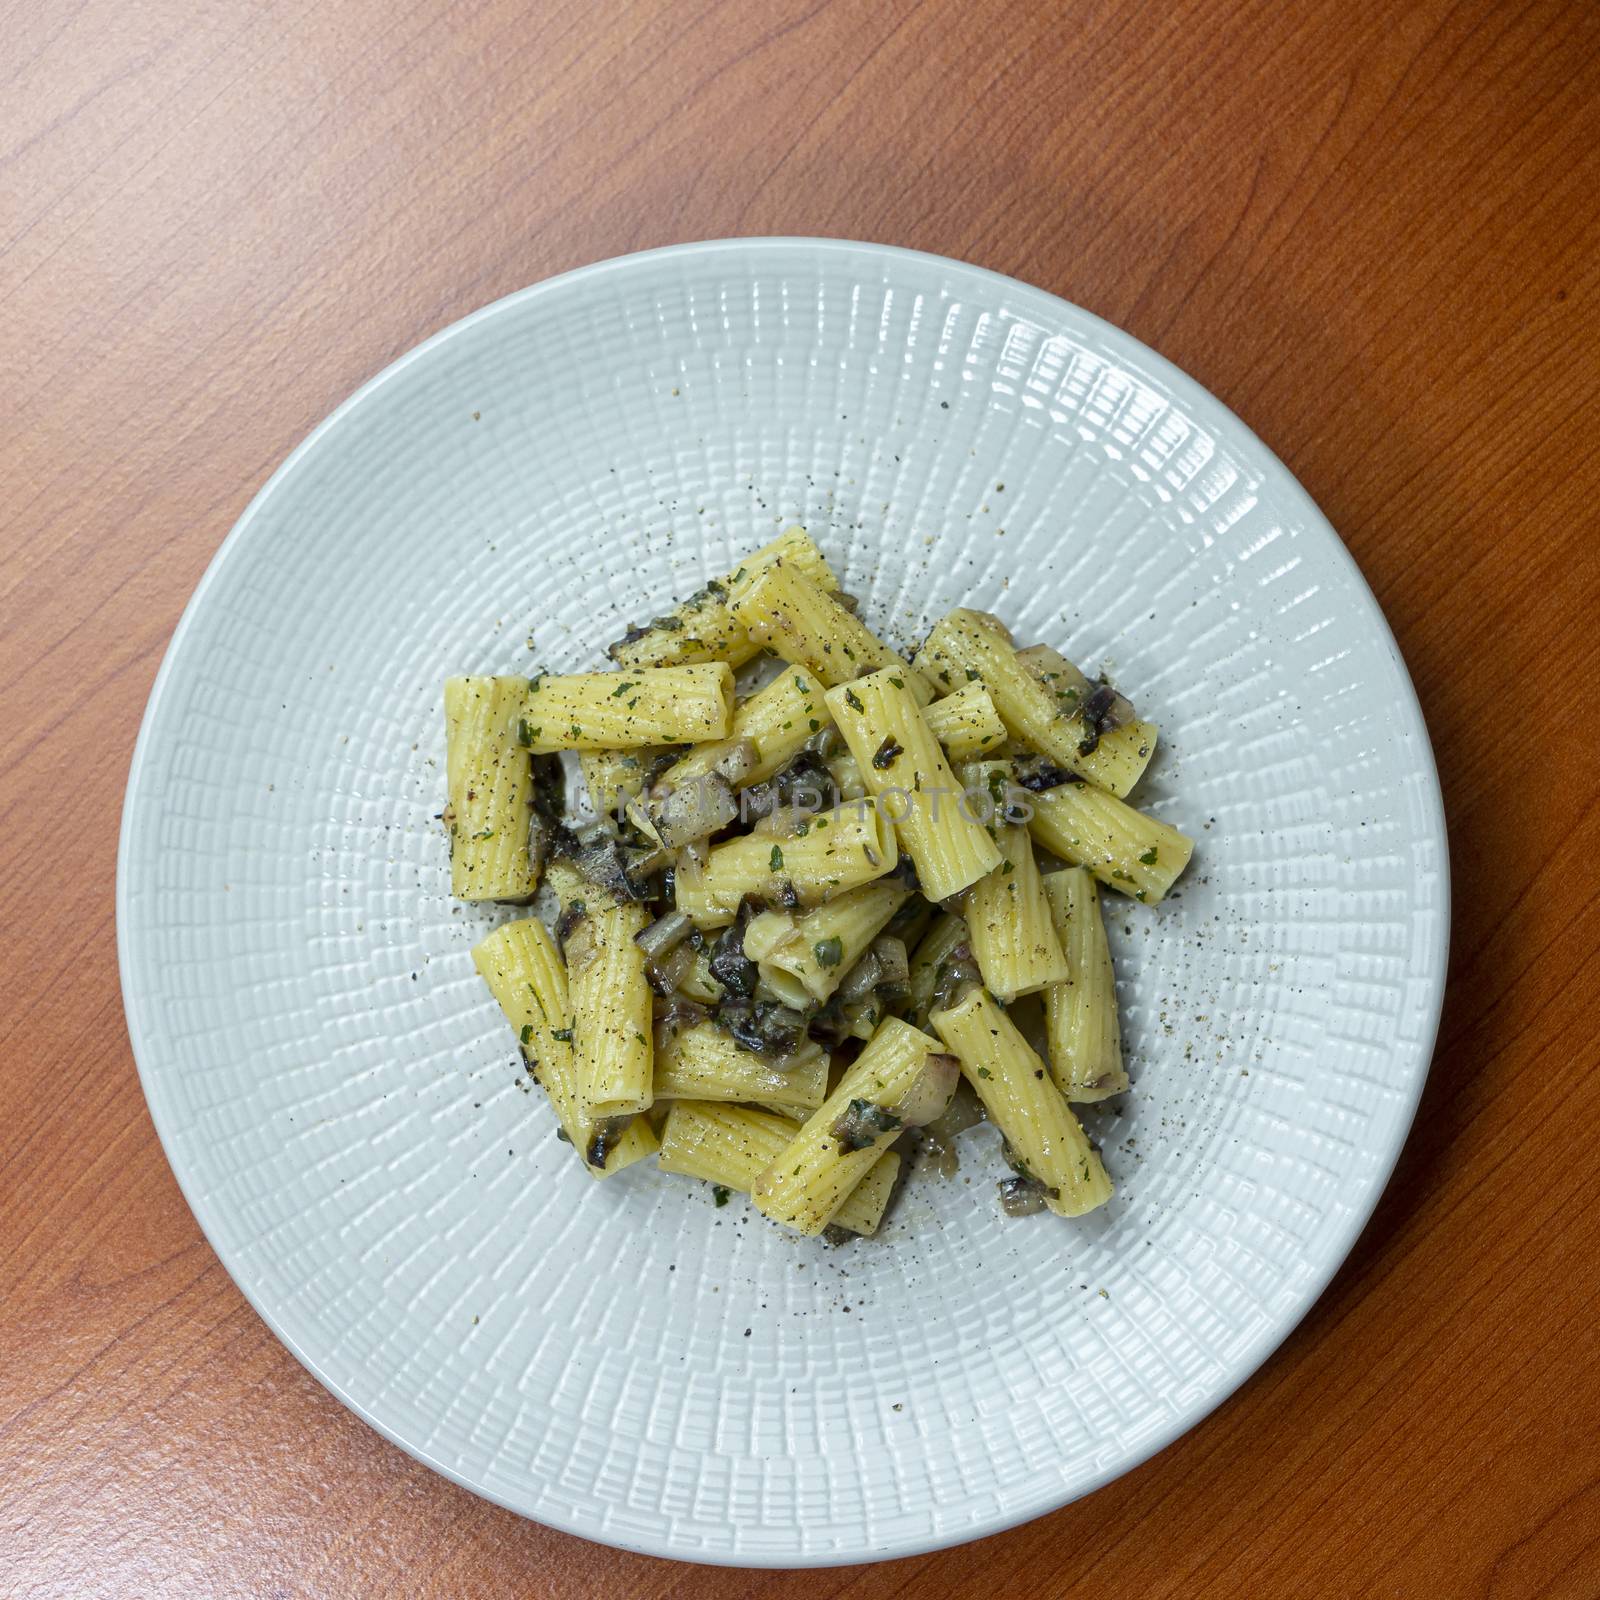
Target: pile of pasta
(796, 919)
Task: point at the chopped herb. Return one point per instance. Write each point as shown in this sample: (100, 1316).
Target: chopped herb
(815, 725)
(524, 732)
(829, 952)
(562, 1033)
(800, 684)
(1007, 867)
(983, 1072)
(527, 1032)
(622, 689)
(851, 700)
(884, 755)
(973, 675)
(720, 1193)
(1148, 859)
(899, 683)
(775, 860)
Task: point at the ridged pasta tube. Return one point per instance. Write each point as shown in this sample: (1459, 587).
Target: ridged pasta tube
(703, 628)
(520, 963)
(812, 1176)
(837, 851)
(794, 618)
(612, 1016)
(614, 777)
(1081, 1011)
(904, 767)
(1047, 1143)
(626, 710)
(1012, 934)
(966, 723)
(1125, 849)
(490, 780)
(967, 647)
(947, 932)
(804, 958)
(777, 720)
(734, 1145)
(705, 1063)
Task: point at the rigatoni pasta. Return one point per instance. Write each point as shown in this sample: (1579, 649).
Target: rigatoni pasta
(947, 934)
(845, 771)
(967, 646)
(805, 957)
(776, 721)
(1081, 1010)
(966, 723)
(520, 963)
(491, 790)
(797, 620)
(895, 751)
(611, 1010)
(703, 628)
(614, 777)
(731, 1146)
(1125, 849)
(1048, 1146)
(704, 1063)
(626, 710)
(1122, 742)
(835, 880)
(1008, 917)
(812, 1176)
(824, 857)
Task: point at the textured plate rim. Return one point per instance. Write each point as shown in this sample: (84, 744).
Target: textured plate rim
(1136, 357)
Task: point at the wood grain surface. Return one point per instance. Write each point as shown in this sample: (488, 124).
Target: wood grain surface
(1372, 228)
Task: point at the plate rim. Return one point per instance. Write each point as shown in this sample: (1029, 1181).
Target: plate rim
(1136, 357)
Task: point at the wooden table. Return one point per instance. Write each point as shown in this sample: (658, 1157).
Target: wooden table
(1373, 229)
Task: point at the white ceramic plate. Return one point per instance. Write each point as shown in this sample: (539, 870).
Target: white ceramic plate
(339, 1097)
